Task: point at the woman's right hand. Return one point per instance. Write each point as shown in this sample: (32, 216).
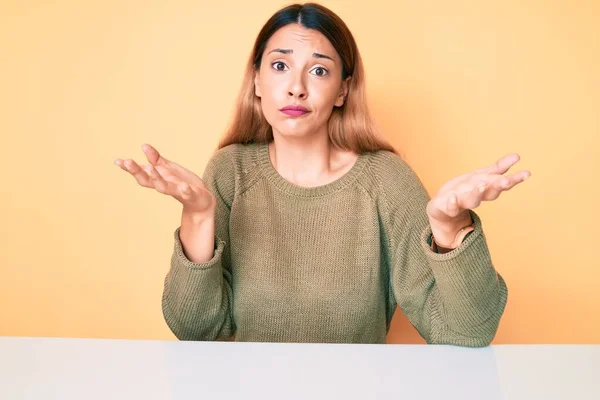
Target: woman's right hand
(172, 179)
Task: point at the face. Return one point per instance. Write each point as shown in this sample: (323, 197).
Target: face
(300, 67)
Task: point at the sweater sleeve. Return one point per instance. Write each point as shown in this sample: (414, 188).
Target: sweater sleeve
(455, 298)
(197, 297)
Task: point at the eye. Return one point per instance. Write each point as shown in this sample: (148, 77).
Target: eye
(277, 64)
(321, 71)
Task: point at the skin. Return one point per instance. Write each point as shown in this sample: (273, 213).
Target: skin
(170, 178)
(448, 211)
(291, 74)
(301, 151)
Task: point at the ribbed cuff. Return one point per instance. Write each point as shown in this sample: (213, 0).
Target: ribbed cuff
(219, 246)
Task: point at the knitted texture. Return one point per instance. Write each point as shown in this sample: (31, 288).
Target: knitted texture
(328, 264)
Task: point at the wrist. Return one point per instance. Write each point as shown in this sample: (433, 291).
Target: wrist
(449, 234)
(197, 218)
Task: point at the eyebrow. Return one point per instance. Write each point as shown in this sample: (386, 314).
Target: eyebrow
(290, 51)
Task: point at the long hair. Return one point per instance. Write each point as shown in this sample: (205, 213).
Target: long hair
(350, 126)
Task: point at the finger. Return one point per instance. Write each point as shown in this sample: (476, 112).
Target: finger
(473, 198)
(170, 170)
(480, 173)
(156, 179)
(502, 165)
(452, 207)
(457, 180)
(138, 173)
(120, 164)
(178, 168)
(499, 167)
(169, 174)
(504, 183)
(153, 155)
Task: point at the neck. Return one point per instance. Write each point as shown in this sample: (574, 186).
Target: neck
(305, 161)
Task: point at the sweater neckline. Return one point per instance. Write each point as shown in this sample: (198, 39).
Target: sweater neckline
(280, 182)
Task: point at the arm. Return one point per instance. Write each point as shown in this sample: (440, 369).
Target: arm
(197, 294)
(454, 298)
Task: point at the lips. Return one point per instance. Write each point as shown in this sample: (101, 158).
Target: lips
(294, 110)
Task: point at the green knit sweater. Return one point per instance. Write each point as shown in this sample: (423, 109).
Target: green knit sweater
(328, 264)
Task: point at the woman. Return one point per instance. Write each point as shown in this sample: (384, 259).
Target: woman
(308, 227)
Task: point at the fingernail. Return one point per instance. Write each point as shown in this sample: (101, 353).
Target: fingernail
(525, 177)
(482, 188)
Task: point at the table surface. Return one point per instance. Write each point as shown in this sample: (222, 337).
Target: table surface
(71, 368)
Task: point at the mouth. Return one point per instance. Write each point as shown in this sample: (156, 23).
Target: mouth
(294, 111)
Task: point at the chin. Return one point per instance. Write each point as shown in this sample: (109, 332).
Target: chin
(292, 133)
(291, 130)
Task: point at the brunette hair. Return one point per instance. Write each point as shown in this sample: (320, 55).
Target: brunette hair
(350, 126)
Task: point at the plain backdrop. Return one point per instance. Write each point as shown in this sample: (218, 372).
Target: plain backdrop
(453, 85)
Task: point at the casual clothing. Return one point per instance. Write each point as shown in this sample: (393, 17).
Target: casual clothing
(328, 264)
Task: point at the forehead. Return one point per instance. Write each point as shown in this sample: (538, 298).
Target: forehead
(298, 38)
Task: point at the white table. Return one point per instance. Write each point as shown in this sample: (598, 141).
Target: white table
(69, 369)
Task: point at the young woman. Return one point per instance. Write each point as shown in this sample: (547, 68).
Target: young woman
(308, 227)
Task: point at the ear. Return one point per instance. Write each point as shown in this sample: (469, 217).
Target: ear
(339, 101)
(256, 84)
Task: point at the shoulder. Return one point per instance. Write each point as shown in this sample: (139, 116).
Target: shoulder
(232, 159)
(393, 179)
(228, 166)
(397, 190)
(388, 164)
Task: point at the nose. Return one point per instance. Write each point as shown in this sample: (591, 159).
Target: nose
(297, 87)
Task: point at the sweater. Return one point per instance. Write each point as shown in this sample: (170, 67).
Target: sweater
(328, 264)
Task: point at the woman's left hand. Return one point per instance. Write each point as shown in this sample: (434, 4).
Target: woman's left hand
(448, 211)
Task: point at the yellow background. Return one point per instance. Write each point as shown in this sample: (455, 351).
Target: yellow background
(454, 85)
